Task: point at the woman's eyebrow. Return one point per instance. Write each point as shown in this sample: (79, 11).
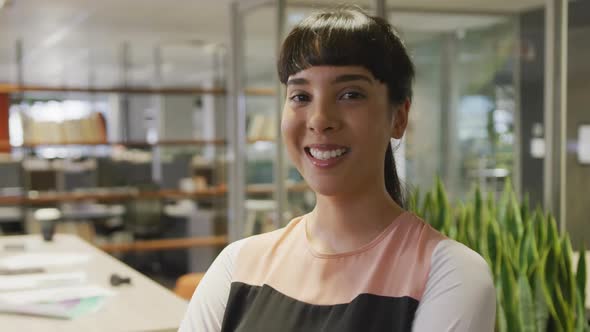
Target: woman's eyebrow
(297, 81)
(352, 77)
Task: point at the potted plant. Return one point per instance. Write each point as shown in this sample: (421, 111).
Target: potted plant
(538, 288)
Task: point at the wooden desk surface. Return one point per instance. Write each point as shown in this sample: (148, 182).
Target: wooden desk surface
(143, 306)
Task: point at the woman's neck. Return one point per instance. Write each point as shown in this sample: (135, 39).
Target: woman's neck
(344, 223)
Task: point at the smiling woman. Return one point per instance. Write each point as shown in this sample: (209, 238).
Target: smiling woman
(358, 261)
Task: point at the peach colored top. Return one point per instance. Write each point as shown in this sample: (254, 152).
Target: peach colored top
(409, 277)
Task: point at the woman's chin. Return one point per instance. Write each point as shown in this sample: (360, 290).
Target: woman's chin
(329, 189)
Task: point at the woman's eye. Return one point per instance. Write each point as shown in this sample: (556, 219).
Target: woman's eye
(299, 98)
(352, 95)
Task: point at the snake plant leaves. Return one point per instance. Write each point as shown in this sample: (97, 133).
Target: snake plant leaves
(479, 213)
(414, 200)
(552, 233)
(581, 274)
(526, 306)
(540, 229)
(525, 211)
(501, 321)
(547, 280)
(565, 313)
(566, 269)
(528, 252)
(502, 207)
(510, 289)
(513, 221)
(494, 246)
(581, 321)
(491, 203)
(541, 308)
(536, 286)
(427, 208)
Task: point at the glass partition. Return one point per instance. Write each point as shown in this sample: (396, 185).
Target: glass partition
(462, 122)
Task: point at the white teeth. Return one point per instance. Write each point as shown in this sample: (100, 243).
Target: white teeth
(324, 155)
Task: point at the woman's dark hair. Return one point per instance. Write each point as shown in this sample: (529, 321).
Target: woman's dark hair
(349, 37)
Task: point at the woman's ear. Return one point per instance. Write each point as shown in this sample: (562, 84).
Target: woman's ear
(401, 119)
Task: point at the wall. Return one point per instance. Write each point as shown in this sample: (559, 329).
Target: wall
(578, 112)
(532, 61)
(578, 101)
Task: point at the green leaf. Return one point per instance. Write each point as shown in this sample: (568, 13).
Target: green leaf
(501, 321)
(540, 229)
(510, 289)
(494, 245)
(491, 204)
(531, 252)
(581, 274)
(479, 212)
(503, 204)
(426, 208)
(547, 280)
(565, 312)
(514, 220)
(552, 232)
(581, 321)
(524, 251)
(525, 210)
(541, 309)
(526, 307)
(414, 201)
(442, 207)
(565, 273)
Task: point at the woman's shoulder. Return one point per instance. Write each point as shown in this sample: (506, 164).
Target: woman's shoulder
(453, 263)
(459, 294)
(457, 254)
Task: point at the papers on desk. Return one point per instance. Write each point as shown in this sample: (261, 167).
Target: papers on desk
(58, 294)
(61, 302)
(34, 260)
(40, 280)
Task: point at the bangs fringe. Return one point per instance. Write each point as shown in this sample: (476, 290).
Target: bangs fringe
(326, 39)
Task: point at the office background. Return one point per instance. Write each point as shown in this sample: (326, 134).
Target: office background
(151, 129)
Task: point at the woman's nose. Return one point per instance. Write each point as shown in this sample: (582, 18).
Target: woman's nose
(323, 118)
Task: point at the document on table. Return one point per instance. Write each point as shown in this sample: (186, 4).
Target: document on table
(59, 302)
(40, 280)
(35, 260)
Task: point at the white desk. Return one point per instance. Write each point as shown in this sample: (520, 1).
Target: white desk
(143, 306)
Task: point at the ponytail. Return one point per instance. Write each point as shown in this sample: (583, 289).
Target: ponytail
(392, 182)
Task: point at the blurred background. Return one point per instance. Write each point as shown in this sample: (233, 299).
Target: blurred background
(150, 128)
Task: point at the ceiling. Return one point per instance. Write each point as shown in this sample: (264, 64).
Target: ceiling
(80, 42)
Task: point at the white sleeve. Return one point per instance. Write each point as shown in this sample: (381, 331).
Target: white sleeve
(207, 306)
(459, 294)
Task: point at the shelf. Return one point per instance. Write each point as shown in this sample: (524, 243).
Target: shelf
(261, 139)
(264, 189)
(259, 92)
(166, 244)
(15, 88)
(130, 143)
(105, 197)
(53, 198)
